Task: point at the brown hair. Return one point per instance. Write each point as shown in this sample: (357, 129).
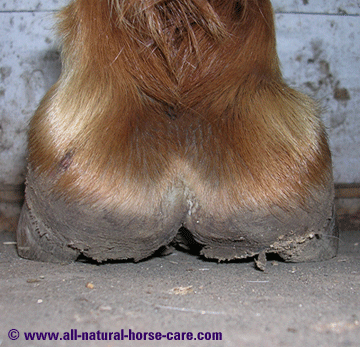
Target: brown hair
(154, 92)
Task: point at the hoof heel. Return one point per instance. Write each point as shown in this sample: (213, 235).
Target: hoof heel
(319, 246)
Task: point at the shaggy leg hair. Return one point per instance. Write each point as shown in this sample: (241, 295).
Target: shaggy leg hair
(170, 114)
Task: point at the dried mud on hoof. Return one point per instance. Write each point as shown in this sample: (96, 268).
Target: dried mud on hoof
(293, 248)
(37, 242)
(56, 230)
(52, 230)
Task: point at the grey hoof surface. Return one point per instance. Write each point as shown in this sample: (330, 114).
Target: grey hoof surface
(51, 229)
(36, 241)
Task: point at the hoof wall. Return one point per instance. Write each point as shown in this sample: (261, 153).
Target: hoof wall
(36, 242)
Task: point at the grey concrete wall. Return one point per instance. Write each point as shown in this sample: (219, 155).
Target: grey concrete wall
(318, 45)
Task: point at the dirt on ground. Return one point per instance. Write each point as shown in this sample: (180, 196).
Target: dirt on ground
(182, 300)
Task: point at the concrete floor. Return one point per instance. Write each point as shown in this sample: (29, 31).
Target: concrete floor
(306, 304)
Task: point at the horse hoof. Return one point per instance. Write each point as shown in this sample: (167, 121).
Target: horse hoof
(180, 119)
(55, 230)
(303, 233)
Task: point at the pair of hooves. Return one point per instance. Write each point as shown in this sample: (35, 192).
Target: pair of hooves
(53, 229)
(175, 114)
